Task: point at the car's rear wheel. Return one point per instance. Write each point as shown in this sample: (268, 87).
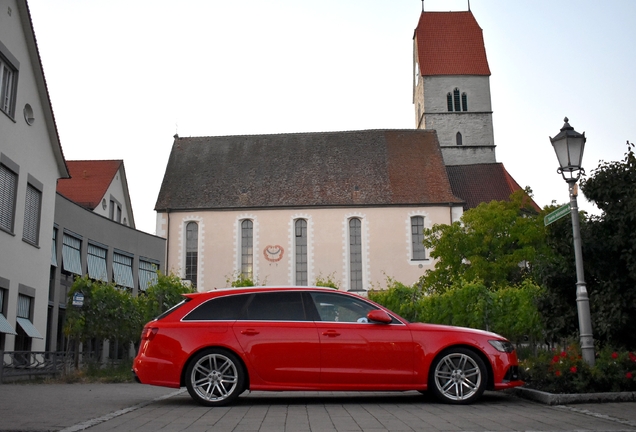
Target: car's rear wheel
(215, 377)
(458, 376)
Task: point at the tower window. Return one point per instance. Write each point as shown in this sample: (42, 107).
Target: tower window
(417, 238)
(449, 101)
(247, 241)
(355, 254)
(458, 138)
(456, 99)
(464, 102)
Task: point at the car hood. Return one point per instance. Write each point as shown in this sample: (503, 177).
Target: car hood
(454, 329)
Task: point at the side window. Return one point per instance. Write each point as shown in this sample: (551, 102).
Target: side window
(8, 193)
(341, 308)
(276, 306)
(227, 308)
(8, 82)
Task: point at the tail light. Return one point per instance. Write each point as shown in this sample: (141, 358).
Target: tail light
(148, 333)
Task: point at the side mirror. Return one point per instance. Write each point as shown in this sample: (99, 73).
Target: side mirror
(378, 315)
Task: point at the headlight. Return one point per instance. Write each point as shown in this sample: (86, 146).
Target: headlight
(502, 345)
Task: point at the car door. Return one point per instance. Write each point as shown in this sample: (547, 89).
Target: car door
(354, 351)
(279, 341)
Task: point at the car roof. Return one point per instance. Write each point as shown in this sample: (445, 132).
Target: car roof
(248, 290)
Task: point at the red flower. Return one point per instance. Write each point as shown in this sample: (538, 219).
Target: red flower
(558, 373)
(629, 375)
(555, 359)
(573, 369)
(632, 356)
(564, 354)
(614, 355)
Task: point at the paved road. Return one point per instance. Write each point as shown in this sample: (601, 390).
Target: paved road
(135, 407)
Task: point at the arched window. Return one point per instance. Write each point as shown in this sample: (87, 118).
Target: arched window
(456, 99)
(247, 252)
(464, 102)
(449, 101)
(192, 252)
(355, 254)
(458, 138)
(417, 238)
(301, 251)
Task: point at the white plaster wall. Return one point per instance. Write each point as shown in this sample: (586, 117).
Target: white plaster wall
(116, 190)
(386, 243)
(30, 147)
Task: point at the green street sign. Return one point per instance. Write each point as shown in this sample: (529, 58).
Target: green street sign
(562, 211)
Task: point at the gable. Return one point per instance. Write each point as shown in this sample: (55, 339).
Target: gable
(450, 43)
(355, 168)
(89, 181)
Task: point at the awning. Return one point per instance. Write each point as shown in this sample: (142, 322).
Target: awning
(71, 259)
(122, 270)
(96, 260)
(5, 327)
(29, 328)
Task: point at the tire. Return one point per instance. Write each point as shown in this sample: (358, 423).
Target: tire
(215, 377)
(458, 376)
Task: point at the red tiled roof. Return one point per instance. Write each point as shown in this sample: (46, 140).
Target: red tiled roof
(89, 181)
(480, 183)
(450, 43)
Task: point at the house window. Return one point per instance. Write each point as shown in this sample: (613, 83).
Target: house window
(5, 327)
(464, 102)
(247, 253)
(8, 193)
(449, 101)
(355, 254)
(301, 251)
(96, 258)
(26, 330)
(192, 252)
(417, 238)
(32, 211)
(458, 138)
(8, 86)
(71, 257)
(147, 273)
(122, 269)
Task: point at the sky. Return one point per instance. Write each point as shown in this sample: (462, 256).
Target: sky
(125, 76)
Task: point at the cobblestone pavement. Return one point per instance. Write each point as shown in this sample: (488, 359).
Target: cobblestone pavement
(134, 407)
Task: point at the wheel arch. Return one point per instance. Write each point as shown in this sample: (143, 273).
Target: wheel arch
(192, 355)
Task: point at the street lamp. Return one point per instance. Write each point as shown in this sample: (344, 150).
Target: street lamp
(568, 146)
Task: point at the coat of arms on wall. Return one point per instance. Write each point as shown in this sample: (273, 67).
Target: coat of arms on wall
(273, 253)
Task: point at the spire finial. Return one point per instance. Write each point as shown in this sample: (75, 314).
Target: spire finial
(468, 5)
(422, 5)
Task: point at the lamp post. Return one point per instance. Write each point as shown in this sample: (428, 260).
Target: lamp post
(569, 145)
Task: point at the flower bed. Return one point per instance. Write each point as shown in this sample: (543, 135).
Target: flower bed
(565, 371)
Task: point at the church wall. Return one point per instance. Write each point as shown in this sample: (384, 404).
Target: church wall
(386, 244)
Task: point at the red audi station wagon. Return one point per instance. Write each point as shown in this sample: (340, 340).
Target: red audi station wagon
(220, 343)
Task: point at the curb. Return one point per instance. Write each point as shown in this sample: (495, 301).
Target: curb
(578, 398)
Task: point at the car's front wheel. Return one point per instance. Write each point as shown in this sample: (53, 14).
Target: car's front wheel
(215, 377)
(458, 376)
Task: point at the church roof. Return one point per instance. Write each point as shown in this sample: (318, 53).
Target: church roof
(89, 181)
(354, 168)
(450, 43)
(482, 183)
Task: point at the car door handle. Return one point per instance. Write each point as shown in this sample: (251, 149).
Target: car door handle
(330, 333)
(249, 332)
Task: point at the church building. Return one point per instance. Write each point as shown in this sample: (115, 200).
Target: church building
(350, 207)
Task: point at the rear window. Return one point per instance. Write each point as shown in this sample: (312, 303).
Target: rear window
(173, 308)
(226, 308)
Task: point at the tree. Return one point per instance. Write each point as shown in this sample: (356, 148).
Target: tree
(611, 248)
(496, 243)
(165, 293)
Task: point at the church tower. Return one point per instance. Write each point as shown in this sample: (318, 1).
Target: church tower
(451, 86)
